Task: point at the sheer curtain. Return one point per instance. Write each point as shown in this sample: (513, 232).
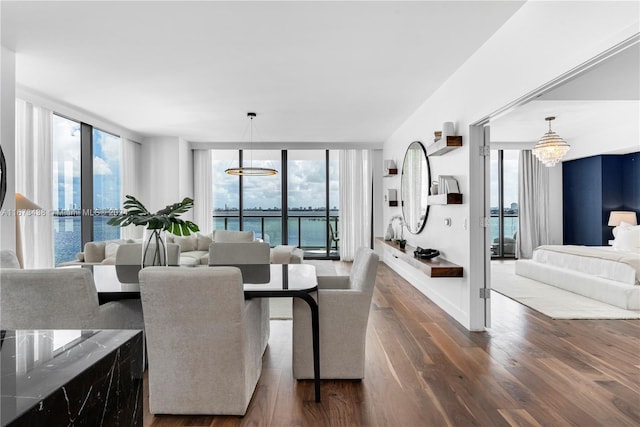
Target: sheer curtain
(131, 181)
(355, 201)
(34, 173)
(533, 202)
(202, 190)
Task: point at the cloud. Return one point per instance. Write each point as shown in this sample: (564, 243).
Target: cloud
(100, 167)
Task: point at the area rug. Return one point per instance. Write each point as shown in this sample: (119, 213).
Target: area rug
(549, 300)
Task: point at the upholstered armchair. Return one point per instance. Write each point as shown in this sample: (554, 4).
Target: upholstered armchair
(343, 304)
(203, 340)
(64, 298)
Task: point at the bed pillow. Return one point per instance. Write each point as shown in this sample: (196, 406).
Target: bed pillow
(628, 239)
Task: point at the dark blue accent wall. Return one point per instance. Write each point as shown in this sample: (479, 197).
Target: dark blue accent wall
(592, 188)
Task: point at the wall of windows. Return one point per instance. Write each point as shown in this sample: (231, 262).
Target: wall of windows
(86, 185)
(504, 203)
(288, 208)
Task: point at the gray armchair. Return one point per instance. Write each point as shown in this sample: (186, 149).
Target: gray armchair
(203, 340)
(343, 304)
(63, 298)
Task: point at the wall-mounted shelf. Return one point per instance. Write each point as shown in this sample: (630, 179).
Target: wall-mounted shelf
(445, 199)
(434, 267)
(393, 203)
(444, 145)
(391, 172)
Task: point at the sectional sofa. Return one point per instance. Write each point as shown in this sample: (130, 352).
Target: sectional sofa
(194, 249)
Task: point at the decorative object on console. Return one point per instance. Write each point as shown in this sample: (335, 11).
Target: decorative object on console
(250, 170)
(396, 225)
(551, 148)
(402, 243)
(425, 253)
(390, 167)
(25, 205)
(157, 224)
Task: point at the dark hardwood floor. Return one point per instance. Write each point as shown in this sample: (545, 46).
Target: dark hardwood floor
(424, 369)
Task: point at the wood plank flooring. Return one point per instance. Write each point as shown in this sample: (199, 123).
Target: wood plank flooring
(424, 369)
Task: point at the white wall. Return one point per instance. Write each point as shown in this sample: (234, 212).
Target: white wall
(7, 141)
(522, 56)
(167, 172)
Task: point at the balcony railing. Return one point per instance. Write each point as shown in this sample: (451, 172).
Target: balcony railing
(308, 232)
(510, 224)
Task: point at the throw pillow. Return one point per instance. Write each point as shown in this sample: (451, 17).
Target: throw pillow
(110, 250)
(203, 242)
(187, 243)
(234, 236)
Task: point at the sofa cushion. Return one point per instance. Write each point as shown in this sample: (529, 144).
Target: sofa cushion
(94, 251)
(225, 236)
(187, 243)
(204, 241)
(110, 250)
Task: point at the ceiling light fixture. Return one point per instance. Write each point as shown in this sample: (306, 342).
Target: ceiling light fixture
(250, 170)
(551, 148)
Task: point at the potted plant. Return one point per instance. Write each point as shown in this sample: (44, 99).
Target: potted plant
(402, 243)
(156, 224)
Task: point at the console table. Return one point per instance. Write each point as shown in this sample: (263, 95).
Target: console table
(434, 267)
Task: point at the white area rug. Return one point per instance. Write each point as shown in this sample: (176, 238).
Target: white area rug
(549, 300)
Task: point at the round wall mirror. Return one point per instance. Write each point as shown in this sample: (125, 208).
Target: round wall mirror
(416, 179)
(3, 177)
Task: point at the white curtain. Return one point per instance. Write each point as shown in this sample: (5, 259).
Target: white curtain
(202, 190)
(533, 202)
(355, 201)
(131, 181)
(34, 174)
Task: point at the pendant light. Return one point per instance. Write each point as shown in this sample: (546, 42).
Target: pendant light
(250, 170)
(551, 148)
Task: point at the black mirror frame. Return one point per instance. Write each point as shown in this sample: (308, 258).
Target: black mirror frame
(426, 212)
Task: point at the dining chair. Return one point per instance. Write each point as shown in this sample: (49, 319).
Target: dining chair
(343, 305)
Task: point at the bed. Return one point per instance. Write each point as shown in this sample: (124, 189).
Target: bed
(610, 274)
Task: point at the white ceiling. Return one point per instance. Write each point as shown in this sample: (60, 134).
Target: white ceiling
(597, 112)
(339, 72)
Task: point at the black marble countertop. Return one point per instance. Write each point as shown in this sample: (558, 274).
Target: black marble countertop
(58, 377)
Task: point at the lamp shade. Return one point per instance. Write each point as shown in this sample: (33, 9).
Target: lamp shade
(22, 203)
(616, 217)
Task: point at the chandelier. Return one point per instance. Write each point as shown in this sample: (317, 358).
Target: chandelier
(551, 148)
(250, 170)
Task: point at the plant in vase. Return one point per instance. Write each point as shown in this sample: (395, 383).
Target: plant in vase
(402, 243)
(156, 224)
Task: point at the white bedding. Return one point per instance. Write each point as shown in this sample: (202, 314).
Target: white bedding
(595, 266)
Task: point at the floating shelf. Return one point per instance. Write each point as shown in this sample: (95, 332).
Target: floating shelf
(444, 145)
(391, 172)
(445, 199)
(393, 203)
(434, 267)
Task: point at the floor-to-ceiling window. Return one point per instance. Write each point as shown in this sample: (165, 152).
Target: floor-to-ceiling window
(106, 184)
(226, 188)
(298, 206)
(262, 196)
(98, 154)
(504, 203)
(67, 236)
